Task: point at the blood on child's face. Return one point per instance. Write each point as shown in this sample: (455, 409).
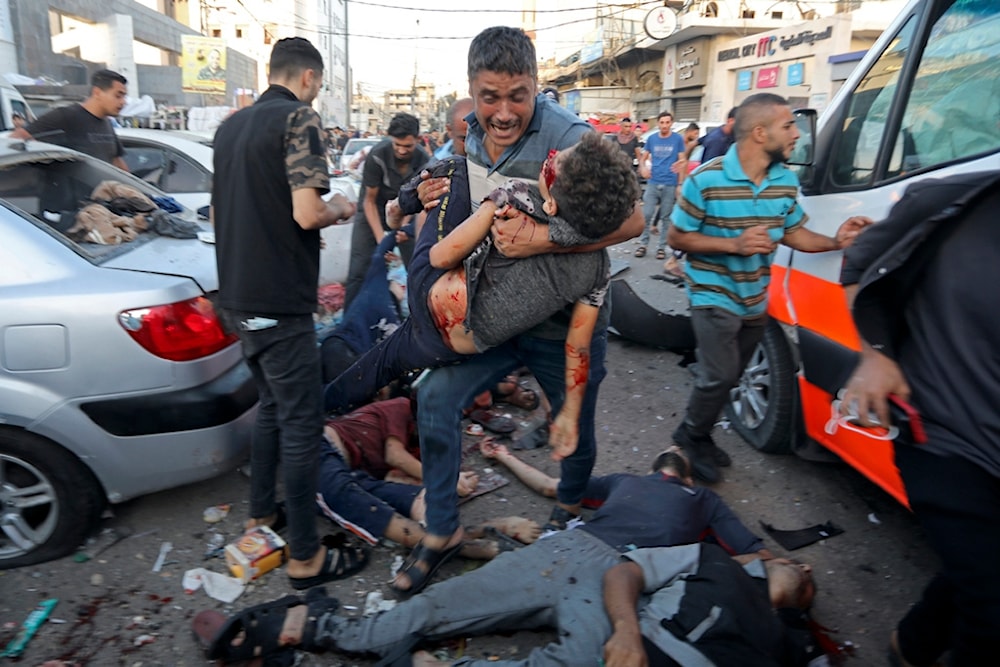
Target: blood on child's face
(550, 171)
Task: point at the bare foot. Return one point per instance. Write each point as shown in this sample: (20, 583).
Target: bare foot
(425, 659)
(480, 550)
(300, 569)
(520, 528)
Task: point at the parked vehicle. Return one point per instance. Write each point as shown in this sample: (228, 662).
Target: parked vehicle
(116, 378)
(352, 147)
(11, 102)
(180, 163)
(924, 102)
(174, 163)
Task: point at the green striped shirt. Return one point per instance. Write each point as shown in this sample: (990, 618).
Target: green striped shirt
(718, 199)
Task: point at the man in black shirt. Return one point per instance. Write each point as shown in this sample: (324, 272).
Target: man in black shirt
(270, 173)
(85, 127)
(388, 165)
(919, 281)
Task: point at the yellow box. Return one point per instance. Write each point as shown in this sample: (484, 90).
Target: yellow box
(257, 551)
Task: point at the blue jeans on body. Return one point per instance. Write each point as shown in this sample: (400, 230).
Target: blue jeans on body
(416, 343)
(445, 391)
(662, 196)
(284, 360)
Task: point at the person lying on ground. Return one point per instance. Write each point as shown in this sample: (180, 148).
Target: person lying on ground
(359, 488)
(559, 581)
(465, 297)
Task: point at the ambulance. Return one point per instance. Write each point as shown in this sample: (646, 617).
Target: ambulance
(923, 103)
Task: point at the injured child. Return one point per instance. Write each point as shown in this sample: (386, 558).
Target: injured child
(465, 297)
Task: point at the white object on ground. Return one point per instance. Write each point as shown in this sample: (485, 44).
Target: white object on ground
(164, 550)
(217, 586)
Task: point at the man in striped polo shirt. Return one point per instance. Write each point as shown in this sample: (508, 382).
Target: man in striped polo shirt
(732, 214)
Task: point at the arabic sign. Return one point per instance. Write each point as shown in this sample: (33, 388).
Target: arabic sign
(767, 77)
(767, 46)
(594, 48)
(660, 23)
(203, 64)
(744, 80)
(691, 71)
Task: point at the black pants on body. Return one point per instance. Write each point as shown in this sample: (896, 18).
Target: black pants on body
(958, 505)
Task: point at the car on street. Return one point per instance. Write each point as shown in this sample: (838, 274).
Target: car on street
(352, 147)
(116, 376)
(173, 162)
(180, 163)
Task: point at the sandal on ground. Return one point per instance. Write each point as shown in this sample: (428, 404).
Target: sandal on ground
(432, 558)
(558, 519)
(259, 629)
(492, 422)
(504, 542)
(661, 254)
(640, 251)
(343, 559)
(206, 625)
(520, 396)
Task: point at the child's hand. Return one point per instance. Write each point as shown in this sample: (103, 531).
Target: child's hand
(393, 214)
(467, 483)
(491, 449)
(430, 190)
(563, 436)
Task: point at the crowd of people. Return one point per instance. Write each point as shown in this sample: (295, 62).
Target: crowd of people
(511, 218)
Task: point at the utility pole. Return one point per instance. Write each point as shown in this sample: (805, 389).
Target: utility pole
(347, 69)
(413, 92)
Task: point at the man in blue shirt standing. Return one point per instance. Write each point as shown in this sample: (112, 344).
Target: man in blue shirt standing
(729, 259)
(661, 151)
(718, 141)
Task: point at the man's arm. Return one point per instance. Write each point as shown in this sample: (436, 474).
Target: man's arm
(753, 241)
(371, 212)
(311, 212)
(807, 240)
(565, 430)
(520, 236)
(622, 585)
(875, 377)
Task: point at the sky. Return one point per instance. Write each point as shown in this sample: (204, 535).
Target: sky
(386, 39)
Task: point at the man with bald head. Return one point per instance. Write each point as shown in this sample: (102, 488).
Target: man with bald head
(457, 127)
(728, 262)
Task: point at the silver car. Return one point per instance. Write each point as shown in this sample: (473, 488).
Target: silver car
(116, 379)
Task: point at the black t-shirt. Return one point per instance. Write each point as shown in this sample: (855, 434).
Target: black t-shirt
(267, 262)
(949, 356)
(381, 172)
(74, 127)
(629, 148)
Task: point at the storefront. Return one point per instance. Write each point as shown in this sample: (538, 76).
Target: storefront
(792, 62)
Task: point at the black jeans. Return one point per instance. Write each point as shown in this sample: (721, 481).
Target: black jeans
(285, 363)
(958, 505)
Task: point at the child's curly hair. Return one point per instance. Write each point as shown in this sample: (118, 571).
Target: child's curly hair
(595, 187)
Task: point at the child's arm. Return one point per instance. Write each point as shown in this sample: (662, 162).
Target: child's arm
(456, 246)
(397, 457)
(565, 428)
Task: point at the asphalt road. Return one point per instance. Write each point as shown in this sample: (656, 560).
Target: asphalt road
(113, 610)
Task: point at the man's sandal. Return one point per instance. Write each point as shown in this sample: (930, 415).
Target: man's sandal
(661, 254)
(256, 631)
(640, 251)
(432, 558)
(343, 558)
(558, 519)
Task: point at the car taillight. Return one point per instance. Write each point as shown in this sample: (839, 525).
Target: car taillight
(179, 331)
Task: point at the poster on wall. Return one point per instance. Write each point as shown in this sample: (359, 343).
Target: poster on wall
(796, 74)
(744, 80)
(203, 64)
(767, 77)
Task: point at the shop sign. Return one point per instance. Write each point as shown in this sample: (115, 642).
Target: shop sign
(766, 47)
(660, 23)
(796, 74)
(690, 71)
(744, 80)
(767, 77)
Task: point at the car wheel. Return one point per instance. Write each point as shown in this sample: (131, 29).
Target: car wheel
(761, 406)
(48, 500)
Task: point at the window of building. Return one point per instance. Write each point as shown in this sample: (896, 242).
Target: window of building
(241, 31)
(216, 32)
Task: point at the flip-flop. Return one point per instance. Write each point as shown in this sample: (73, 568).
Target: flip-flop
(433, 558)
(492, 422)
(343, 558)
(261, 627)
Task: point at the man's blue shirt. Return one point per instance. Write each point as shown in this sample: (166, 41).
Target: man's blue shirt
(664, 152)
